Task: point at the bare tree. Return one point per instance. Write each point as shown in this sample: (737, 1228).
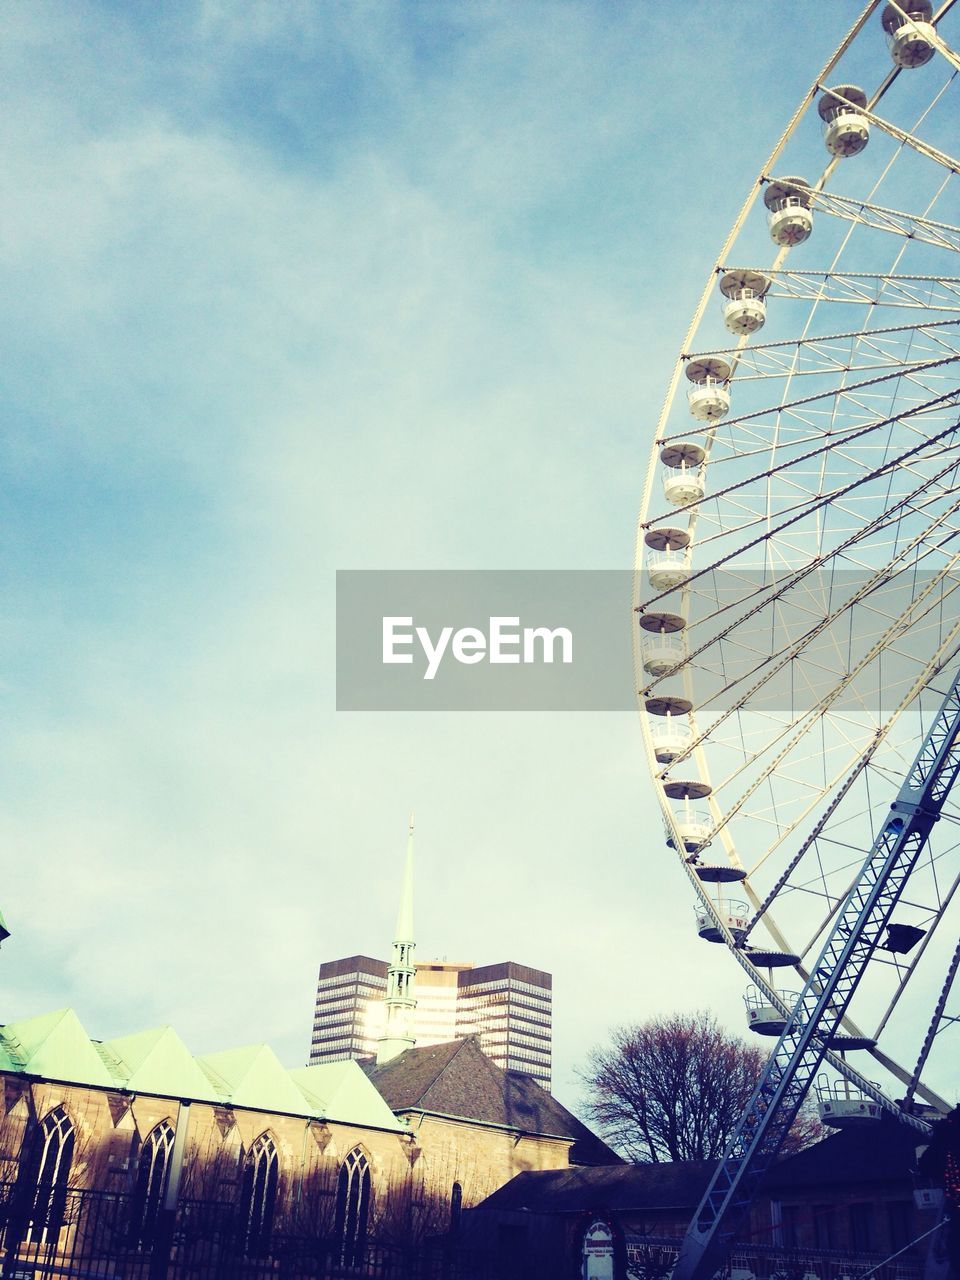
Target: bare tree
(674, 1088)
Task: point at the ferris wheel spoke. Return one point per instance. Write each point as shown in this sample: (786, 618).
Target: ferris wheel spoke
(931, 294)
(809, 723)
(911, 226)
(847, 394)
(797, 586)
(814, 504)
(935, 1025)
(831, 353)
(894, 131)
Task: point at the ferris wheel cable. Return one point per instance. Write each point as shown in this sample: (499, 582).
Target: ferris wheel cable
(907, 139)
(867, 588)
(794, 647)
(809, 721)
(829, 337)
(934, 1026)
(868, 1088)
(820, 1007)
(914, 290)
(896, 292)
(908, 969)
(912, 226)
(754, 520)
(824, 499)
(934, 329)
(812, 717)
(827, 394)
(741, 219)
(794, 862)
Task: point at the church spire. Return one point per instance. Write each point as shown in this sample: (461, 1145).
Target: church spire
(400, 1001)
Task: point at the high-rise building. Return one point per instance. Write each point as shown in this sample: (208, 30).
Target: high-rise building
(510, 1007)
(368, 1008)
(507, 1005)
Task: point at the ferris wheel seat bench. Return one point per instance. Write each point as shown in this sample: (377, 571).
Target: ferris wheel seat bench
(764, 1018)
(845, 130)
(911, 39)
(734, 914)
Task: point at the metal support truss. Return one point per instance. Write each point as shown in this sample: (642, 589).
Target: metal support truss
(821, 1006)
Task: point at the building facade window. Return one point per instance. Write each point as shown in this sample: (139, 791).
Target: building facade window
(353, 1207)
(152, 1168)
(42, 1193)
(258, 1195)
(456, 1205)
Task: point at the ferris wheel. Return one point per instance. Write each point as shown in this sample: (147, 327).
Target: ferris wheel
(798, 559)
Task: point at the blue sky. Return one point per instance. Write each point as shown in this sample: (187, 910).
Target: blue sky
(292, 288)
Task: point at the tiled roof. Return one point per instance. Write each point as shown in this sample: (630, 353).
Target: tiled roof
(55, 1046)
(872, 1152)
(458, 1079)
(620, 1188)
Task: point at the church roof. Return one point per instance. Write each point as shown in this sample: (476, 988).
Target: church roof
(55, 1046)
(253, 1077)
(873, 1152)
(341, 1091)
(619, 1188)
(156, 1061)
(458, 1080)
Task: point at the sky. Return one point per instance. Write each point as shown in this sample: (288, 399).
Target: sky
(292, 288)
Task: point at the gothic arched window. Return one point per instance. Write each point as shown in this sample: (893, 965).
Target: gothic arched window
(42, 1178)
(152, 1167)
(456, 1204)
(258, 1195)
(353, 1207)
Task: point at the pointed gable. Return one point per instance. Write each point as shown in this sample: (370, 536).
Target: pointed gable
(56, 1047)
(341, 1091)
(458, 1080)
(253, 1077)
(157, 1061)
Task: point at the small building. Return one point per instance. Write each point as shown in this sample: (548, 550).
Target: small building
(848, 1198)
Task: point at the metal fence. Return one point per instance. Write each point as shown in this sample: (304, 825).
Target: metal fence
(652, 1258)
(99, 1235)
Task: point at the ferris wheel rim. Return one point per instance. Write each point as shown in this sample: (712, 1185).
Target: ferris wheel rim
(694, 753)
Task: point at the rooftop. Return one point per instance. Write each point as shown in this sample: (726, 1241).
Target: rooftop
(55, 1046)
(458, 1080)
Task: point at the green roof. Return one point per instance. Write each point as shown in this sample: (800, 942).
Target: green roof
(253, 1077)
(158, 1061)
(55, 1046)
(342, 1091)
